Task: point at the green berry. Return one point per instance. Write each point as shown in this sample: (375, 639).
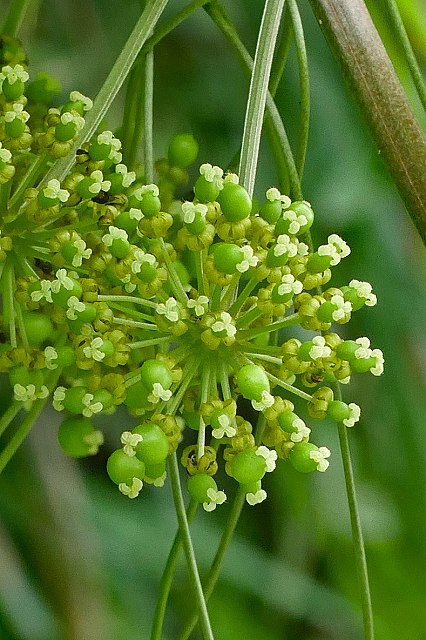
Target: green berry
(154, 447)
(317, 263)
(150, 205)
(271, 211)
(206, 191)
(252, 381)
(73, 401)
(300, 457)
(183, 150)
(247, 467)
(227, 257)
(153, 371)
(38, 327)
(338, 410)
(198, 486)
(235, 202)
(122, 468)
(78, 437)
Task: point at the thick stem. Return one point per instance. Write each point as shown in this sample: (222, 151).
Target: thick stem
(148, 117)
(366, 66)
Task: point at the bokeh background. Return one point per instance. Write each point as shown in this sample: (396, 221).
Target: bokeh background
(80, 562)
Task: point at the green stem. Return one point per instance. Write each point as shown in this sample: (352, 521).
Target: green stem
(281, 55)
(30, 178)
(112, 84)
(358, 539)
(138, 122)
(294, 318)
(415, 71)
(188, 548)
(167, 577)
(305, 96)
(8, 416)
(255, 110)
(148, 117)
(9, 302)
(129, 112)
(4, 195)
(221, 19)
(288, 387)
(213, 576)
(148, 343)
(133, 299)
(15, 16)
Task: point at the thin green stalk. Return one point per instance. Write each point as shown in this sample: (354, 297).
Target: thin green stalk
(15, 16)
(358, 538)
(305, 95)
(288, 387)
(148, 117)
(228, 532)
(223, 22)
(255, 110)
(112, 84)
(167, 577)
(129, 112)
(8, 416)
(281, 55)
(138, 122)
(399, 28)
(148, 343)
(4, 195)
(225, 540)
(294, 318)
(9, 302)
(189, 549)
(31, 176)
(242, 296)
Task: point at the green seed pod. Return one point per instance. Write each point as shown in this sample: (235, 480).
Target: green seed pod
(247, 467)
(154, 447)
(252, 381)
(300, 457)
(78, 437)
(38, 327)
(227, 257)
(183, 150)
(198, 485)
(122, 468)
(338, 411)
(153, 371)
(235, 202)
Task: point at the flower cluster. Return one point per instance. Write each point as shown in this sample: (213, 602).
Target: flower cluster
(116, 293)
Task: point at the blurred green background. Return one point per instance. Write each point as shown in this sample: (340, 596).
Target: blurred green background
(80, 562)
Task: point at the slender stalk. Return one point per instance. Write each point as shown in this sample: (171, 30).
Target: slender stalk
(288, 387)
(399, 28)
(148, 117)
(31, 176)
(221, 19)
(149, 343)
(228, 532)
(167, 577)
(129, 112)
(15, 16)
(188, 548)
(358, 538)
(305, 95)
(138, 119)
(8, 416)
(112, 84)
(274, 326)
(225, 540)
(255, 110)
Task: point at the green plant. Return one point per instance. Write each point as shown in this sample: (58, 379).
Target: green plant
(110, 283)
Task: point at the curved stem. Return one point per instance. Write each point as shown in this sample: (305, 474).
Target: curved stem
(8, 416)
(188, 548)
(358, 538)
(167, 577)
(255, 110)
(413, 65)
(305, 95)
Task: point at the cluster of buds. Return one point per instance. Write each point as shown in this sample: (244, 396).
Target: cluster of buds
(116, 293)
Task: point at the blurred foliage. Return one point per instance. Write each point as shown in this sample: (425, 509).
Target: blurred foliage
(77, 561)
